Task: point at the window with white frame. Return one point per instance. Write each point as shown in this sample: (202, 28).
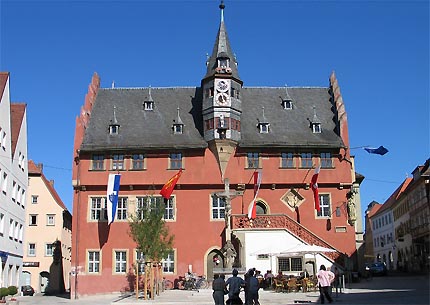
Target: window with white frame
(49, 249)
(3, 140)
(218, 207)
(169, 263)
(23, 200)
(121, 213)
(137, 162)
(13, 190)
(50, 220)
(253, 159)
(120, 261)
(175, 161)
(18, 195)
(93, 261)
(117, 162)
(287, 160)
(16, 231)
(145, 203)
(31, 249)
(98, 208)
(140, 259)
(34, 199)
(325, 206)
(306, 160)
(98, 162)
(21, 233)
(326, 160)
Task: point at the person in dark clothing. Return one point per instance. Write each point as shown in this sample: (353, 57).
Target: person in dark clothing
(234, 284)
(218, 286)
(248, 275)
(253, 286)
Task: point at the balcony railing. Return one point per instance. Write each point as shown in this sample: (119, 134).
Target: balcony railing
(284, 222)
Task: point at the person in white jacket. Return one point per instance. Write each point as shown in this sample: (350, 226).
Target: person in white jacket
(325, 278)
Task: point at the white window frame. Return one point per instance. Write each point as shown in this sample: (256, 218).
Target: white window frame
(30, 220)
(97, 208)
(93, 261)
(50, 219)
(121, 212)
(31, 249)
(49, 249)
(120, 261)
(34, 199)
(168, 262)
(325, 205)
(217, 207)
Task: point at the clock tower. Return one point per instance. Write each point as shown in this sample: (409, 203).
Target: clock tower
(222, 105)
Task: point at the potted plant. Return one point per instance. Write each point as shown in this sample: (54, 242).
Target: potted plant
(12, 290)
(3, 293)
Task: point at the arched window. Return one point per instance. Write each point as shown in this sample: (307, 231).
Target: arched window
(261, 208)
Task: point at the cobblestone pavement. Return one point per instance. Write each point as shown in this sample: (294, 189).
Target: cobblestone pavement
(393, 290)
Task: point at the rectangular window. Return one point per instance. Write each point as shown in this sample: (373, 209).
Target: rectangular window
(117, 162)
(169, 263)
(11, 229)
(33, 220)
(290, 264)
(1, 224)
(140, 259)
(138, 161)
(49, 249)
(50, 220)
(93, 261)
(218, 207)
(175, 161)
(145, 203)
(253, 160)
(34, 199)
(98, 162)
(325, 206)
(121, 213)
(13, 190)
(306, 160)
(287, 160)
(98, 208)
(120, 261)
(31, 249)
(4, 184)
(326, 160)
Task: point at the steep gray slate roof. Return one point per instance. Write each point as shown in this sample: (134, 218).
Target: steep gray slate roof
(140, 129)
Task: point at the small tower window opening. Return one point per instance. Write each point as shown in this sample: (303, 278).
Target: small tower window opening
(223, 63)
(316, 127)
(113, 129)
(264, 127)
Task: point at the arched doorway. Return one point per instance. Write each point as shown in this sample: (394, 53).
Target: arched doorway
(214, 261)
(44, 280)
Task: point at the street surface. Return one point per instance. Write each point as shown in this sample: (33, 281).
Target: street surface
(391, 289)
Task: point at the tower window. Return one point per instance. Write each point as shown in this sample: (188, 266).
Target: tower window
(316, 127)
(264, 127)
(148, 105)
(178, 128)
(113, 129)
(287, 104)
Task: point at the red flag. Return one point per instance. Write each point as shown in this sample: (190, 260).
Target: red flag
(252, 209)
(314, 186)
(167, 189)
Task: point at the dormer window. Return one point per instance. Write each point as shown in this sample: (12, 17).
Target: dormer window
(148, 105)
(113, 129)
(264, 127)
(178, 125)
(316, 127)
(287, 104)
(114, 126)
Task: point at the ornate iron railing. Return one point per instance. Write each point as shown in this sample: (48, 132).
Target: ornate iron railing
(282, 221)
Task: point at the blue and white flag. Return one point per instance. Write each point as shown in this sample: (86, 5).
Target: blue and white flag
(381, 150)
(112, 196)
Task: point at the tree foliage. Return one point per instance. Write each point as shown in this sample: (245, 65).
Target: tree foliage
(150, 232)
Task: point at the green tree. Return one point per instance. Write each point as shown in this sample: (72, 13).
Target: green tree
(149, 230)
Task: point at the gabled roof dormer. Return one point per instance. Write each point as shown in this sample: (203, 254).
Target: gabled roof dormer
(114, 126)
(315, 123)
(263, 125)
(148, 104)
(178, 125)
(287, 102)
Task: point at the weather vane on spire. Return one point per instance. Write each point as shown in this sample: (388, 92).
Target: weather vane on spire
(222, 6)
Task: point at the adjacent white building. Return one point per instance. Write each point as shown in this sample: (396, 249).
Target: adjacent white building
(13, 184)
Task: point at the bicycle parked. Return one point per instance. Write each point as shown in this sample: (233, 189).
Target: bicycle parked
(194, 282)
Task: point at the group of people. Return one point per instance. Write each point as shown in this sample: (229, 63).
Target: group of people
(233, 286)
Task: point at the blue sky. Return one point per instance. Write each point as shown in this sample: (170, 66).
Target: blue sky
(378, 49)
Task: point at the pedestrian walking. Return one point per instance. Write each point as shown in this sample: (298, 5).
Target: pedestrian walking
(234, 283)
(325, 278)
(218, 286)
(253, 287)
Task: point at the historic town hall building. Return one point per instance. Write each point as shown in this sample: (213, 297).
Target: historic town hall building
(219, 133)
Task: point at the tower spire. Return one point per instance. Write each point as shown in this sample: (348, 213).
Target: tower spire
(222, 6)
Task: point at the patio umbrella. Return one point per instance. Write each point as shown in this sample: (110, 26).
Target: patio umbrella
(302, 249)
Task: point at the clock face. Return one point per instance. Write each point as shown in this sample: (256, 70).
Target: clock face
(222, 86)
(222, 99)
